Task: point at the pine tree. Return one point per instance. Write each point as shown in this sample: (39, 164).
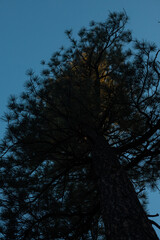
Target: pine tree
(82, 141)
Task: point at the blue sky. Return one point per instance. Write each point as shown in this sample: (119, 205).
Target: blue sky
(31, 30)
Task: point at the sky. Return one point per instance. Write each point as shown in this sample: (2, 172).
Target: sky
(32, 30)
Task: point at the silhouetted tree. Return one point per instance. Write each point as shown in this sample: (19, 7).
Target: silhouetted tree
(82, 141)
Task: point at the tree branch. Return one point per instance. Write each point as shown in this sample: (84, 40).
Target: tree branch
(154, 223)
(140, 140)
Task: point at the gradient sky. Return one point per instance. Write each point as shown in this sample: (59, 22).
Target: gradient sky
(31, 30)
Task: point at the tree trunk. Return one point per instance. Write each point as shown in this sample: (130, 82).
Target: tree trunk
(124, 217)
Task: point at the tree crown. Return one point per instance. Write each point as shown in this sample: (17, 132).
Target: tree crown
(104, 84)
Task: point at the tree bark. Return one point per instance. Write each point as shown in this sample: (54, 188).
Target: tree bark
(124, 217)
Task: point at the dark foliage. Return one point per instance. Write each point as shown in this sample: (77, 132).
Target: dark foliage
(104, 83)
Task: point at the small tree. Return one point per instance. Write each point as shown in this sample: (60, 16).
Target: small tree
(83, 140)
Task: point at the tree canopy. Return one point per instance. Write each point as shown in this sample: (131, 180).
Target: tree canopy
(105, 84)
